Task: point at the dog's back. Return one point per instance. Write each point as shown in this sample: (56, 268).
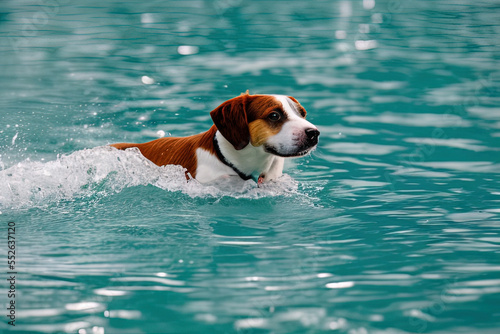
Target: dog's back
(175, 150)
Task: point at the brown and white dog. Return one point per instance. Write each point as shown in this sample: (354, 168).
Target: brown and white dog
(251, 136)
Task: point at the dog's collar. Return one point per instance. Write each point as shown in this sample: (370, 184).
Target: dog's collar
(228, 163)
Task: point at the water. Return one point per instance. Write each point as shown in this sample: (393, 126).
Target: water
(390, 226)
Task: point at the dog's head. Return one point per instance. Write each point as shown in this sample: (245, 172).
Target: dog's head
(274, 122)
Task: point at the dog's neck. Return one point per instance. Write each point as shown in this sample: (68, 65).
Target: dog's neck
(251, 161)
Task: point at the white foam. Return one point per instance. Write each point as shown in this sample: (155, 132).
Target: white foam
(104, 171)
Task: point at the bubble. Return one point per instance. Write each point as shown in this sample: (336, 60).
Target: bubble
(147, 80)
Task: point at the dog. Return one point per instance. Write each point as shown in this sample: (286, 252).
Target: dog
(251, 136)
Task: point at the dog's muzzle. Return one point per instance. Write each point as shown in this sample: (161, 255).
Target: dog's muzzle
(304, 145)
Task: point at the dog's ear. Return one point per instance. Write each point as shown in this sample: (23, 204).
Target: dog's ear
(230, 118)
(300, 108)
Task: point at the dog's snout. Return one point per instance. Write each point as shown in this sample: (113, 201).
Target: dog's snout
(312, 135)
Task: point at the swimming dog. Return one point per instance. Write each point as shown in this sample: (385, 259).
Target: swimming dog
(251, 136)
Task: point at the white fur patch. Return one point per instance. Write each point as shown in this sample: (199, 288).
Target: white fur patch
(251, 160)
(210, 167)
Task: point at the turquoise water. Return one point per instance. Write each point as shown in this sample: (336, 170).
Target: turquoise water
(390, 226)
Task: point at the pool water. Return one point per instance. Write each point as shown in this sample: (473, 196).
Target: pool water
(390, 226)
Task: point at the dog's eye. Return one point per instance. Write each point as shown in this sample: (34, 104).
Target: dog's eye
(274, 116)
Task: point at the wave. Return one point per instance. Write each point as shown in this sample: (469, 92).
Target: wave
(104, 171)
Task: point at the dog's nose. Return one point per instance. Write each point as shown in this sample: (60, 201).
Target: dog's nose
(312, 136)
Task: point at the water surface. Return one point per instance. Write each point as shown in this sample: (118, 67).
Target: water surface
(390, 226)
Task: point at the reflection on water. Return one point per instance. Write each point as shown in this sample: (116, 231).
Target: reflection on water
(390, 226)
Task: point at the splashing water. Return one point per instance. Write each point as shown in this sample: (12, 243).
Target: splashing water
(103, 171)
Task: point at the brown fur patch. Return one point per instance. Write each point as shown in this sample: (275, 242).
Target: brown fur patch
(260, 131)
(259, 126)
(261, 105)
(175, 150)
